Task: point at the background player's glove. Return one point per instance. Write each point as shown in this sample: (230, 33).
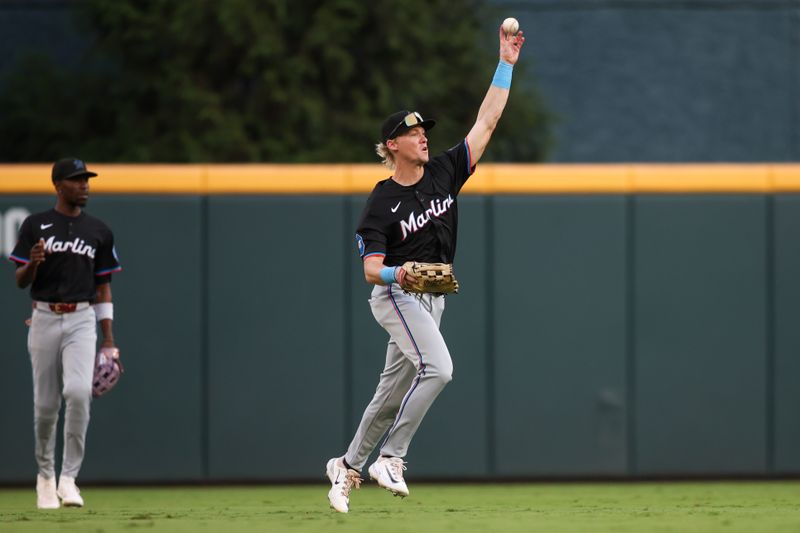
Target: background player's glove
(107, 370)
(430, 277)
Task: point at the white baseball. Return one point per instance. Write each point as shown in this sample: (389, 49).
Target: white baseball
(511, 26)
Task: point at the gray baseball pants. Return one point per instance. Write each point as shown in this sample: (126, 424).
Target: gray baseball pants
(418, 366)
(62, 349)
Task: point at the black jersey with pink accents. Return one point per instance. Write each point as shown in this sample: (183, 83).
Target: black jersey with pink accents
(80, 255)
(417, 222)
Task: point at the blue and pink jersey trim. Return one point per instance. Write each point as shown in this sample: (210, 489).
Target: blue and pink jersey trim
(470, 166)
(108, 271)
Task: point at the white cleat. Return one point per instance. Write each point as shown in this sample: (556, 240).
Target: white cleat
(69, 493)
(342, 482)
(46, 497)
(388, 472)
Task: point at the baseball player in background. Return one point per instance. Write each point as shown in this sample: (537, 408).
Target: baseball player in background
(412, 216)
(67, 257)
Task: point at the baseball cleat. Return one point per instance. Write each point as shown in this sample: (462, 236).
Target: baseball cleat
(46, 497)
(69, 493)
(342, 482)
(388, 472)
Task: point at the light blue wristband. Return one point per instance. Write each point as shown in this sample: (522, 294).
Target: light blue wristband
(387, 275)
(502, 76)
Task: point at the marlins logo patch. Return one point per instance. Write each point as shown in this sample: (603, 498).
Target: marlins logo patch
(360, 244)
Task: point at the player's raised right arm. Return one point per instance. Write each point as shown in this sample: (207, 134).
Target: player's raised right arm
(496, 97)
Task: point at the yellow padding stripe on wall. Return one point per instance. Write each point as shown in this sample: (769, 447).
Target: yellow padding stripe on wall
(345, 179)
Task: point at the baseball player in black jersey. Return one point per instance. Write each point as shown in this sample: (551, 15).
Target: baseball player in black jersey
(412, 216)
(67, 257)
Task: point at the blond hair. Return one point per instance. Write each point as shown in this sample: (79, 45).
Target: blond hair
(386, 155)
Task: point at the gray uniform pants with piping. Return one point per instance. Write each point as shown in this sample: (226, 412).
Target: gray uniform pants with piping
(418, 366)
(62, 350)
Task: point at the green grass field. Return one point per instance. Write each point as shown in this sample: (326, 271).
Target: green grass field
(593, 507)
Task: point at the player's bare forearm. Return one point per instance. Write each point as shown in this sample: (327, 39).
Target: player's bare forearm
(372, 270)
(106, 326)
(495, 100)
(25, 275)
(103, 295)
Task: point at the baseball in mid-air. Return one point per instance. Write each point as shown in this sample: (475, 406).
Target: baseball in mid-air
(511, 26)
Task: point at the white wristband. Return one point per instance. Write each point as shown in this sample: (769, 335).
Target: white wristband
(104, 311)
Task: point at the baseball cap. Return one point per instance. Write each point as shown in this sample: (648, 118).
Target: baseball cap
(70, 168)
(402, 121)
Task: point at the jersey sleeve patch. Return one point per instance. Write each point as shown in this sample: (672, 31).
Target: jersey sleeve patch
(360, 244)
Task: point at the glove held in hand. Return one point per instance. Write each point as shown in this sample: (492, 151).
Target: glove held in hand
(107, 370)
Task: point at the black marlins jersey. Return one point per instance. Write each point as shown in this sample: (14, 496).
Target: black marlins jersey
(417, 222)
(80, 255)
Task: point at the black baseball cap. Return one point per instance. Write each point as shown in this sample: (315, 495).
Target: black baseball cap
(70, 168)
(402, 121)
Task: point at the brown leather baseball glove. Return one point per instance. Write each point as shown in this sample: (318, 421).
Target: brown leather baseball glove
(437, 278)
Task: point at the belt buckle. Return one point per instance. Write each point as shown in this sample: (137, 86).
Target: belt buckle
(61, 308)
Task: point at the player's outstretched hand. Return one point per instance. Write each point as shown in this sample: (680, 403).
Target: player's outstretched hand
(38, 252)
(510, 45)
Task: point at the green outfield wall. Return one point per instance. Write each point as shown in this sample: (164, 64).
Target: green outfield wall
(629, 335)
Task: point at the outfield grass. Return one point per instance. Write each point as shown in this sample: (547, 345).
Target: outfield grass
(618, 507)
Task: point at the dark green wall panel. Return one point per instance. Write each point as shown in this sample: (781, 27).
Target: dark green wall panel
(593, 335)
(154, 418)
(700, 297)
(560, 337)
(787, 334)
(275, 335)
